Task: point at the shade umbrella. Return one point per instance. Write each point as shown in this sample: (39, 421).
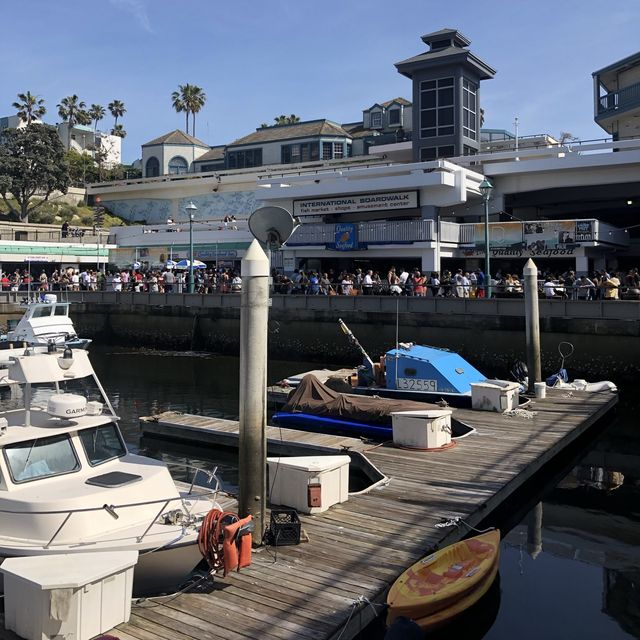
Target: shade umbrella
(185, 264)
(170, 264)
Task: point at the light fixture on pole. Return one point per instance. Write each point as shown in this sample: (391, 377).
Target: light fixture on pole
(191, 209)
(485, 189)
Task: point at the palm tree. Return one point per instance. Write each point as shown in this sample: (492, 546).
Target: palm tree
(72, 111)
(118, 131)
(292, 119)
(30, 107)
(178, 104)
(96, 113)
(117, 109)
(189, 98)
(194, 101)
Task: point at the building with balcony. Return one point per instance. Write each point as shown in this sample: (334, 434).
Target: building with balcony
(616, 92)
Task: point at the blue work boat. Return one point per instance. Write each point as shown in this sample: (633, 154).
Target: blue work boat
(415, 372)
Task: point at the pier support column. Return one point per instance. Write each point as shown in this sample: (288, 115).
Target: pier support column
(534, 531)
(254, 317)
(532, 321)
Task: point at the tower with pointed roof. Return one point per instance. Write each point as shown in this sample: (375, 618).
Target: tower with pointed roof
(446, 96)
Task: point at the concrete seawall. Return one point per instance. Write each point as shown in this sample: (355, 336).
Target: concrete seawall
(490, 333)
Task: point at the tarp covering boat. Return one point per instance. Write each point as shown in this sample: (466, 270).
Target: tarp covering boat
(315, 398)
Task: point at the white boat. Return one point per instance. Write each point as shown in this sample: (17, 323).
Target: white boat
(69, 485)
(45, 321)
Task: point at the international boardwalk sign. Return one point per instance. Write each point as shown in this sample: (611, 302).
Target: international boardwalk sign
(353, 203)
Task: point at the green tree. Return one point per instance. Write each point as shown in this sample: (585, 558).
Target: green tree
(29, 107)
(292, 119)
(119, 131)
(72, 111)
(96, 113)
(189, 98)
(117, 109)
(195, 100)
(32, 167)
(178, 104)
(82, 167)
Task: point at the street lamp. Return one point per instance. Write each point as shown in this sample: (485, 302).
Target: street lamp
(485, 189)
(191, 209)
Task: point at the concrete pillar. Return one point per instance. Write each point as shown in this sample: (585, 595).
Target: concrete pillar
(254, 318)
(430, 261)
(532, 322)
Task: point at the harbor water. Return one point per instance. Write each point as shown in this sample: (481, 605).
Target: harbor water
(570, 557)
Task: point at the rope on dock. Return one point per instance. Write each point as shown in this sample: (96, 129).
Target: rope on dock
(520, 413)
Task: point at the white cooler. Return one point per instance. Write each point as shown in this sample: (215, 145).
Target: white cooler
(309, 484)
(422, 429)
(495, 395)
(74, 596)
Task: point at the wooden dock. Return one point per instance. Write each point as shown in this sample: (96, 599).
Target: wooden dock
(333, 585)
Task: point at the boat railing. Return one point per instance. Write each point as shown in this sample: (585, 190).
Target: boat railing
(112, 509)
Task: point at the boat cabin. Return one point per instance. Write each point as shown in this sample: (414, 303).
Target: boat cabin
(419, 368)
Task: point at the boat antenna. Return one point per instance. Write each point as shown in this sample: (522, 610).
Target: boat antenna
(397, 321)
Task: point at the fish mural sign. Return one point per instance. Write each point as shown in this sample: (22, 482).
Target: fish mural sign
(346, 237)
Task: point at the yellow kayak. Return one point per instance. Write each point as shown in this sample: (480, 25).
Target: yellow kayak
(445, 577)
(446, 615)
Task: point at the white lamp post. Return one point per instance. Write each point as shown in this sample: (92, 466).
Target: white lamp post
(191, 209)
(485, 189)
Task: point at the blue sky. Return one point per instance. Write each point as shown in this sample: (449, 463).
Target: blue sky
(332, 59)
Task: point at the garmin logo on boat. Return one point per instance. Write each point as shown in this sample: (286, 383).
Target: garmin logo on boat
(67, 405)
(76, 412)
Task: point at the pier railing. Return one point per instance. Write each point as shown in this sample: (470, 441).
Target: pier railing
(498, 306)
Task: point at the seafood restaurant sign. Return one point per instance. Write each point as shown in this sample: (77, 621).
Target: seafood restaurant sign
(351, 203)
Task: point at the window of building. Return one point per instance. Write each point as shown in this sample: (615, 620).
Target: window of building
(244, 159)
(327, 151)
(433, 153)
(152, 168)
(376, 119)
(437, 104)
(303, 152)
(469, 109)
(204, 168)
(469, 151)
(178, 165)
(338, 150)
(394, 117)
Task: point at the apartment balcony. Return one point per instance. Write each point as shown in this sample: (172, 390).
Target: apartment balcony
(618, 102)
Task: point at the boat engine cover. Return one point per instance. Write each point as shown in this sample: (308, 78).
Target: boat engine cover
(67, 405)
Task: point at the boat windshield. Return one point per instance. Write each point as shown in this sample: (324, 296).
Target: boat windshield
(102, 444)
(42, 312)
(41, 458)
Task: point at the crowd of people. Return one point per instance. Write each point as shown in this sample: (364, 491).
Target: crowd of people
(459, 284)
(601, 285)
(140, 280)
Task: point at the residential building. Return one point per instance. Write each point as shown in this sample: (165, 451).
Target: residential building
(616, 93)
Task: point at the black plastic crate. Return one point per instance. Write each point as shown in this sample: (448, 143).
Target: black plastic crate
(284, 528)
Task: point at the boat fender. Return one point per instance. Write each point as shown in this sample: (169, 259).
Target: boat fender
(236, 548)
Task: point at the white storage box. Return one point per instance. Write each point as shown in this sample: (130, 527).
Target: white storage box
(422, 429)
(309, 484)
(72, 596)
(495, 395)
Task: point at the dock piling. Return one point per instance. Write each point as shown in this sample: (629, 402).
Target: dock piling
(532, 320)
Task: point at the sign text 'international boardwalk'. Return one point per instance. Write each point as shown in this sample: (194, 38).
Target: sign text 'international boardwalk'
(350, 203)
